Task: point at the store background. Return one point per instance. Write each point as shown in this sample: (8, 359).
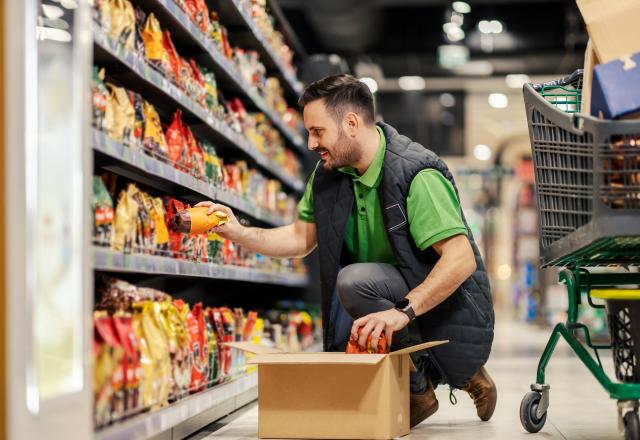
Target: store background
(448, 74)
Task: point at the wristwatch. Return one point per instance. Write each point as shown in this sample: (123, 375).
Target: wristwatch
(404, 306)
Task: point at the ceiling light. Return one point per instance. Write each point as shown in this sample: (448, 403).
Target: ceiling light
(516, 81)
(451, 55)
(47, 33)
(496, 26)
(52, 12)
(482, 152)
(371, 83)
(457, 18)
(447, 100)
(498, 100)
(411, 83)
(456, 35)
(475, 68)
(449, 27)
(461, 7)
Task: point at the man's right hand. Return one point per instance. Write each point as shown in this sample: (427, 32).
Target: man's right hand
(232, 229)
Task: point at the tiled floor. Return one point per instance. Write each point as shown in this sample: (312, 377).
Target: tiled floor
(580, 409)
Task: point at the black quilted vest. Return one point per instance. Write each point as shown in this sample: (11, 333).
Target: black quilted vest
(466, 318)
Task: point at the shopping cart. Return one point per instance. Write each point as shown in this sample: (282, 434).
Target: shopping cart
(587, 174)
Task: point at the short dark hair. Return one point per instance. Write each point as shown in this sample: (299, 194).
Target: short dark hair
(341, 93)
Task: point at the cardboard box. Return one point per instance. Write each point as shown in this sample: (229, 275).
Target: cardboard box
(613, 26)
(616, 88)
(332, 395)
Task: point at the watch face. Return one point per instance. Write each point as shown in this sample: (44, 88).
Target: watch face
(402, 303)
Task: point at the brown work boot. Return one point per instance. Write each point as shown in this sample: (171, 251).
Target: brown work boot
(483, 392)
(422, 406)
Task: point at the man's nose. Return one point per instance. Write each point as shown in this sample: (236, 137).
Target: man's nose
(312, 144)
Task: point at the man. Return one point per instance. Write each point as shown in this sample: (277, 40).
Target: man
(396, 254)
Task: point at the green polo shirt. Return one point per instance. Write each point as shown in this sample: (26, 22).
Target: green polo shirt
(432, 207)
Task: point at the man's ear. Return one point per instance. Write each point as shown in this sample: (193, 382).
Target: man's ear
(351, 124)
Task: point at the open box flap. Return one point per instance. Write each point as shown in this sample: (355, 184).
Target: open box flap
(418, 347)
(317, 359)
(250, 347)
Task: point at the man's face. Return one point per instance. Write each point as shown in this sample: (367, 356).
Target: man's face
(328, 138)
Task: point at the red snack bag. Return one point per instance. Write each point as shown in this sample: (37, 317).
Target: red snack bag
(196, 155)
(173, 57)
(172, 207)
(130, 361)
(199, 347)
(175, 141)
(108, 372)
(354, 348)
(224, 352)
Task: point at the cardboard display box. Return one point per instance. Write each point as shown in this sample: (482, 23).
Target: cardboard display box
(332, 395)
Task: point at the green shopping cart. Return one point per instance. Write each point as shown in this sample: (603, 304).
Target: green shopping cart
(587, 174)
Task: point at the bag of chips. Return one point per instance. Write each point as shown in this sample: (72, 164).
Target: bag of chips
(130, 361)
(199, 347)
(123, 23)
(160, 226)
(141, 18)
(154, 47)
(153, 139)
(102, 213)
(211, 93)
(228, 324)
(199, 84)
(354, 348)
(212, 361)
(186, 77)
(100, 95)
(155, 334)
(174, 59)
(125, 221)
(199, 13)
(123, 115)
(216, 32)
(109, 394)
(178, 151)
(172, 207)
(198, 166)
(182, 360)
(137, 135)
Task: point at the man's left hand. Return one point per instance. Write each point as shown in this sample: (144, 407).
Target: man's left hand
(390, 321)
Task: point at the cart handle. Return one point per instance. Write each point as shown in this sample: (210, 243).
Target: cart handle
(572, 79)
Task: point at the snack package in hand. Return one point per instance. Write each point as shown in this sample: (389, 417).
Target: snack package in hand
(123, 23)
(154, 47)
(175, 141)
(183, 360)
(354, 348)
(199, 347)
(103, 213)
(153, 139)
(123, 115)
(100, 95)
(174, 60)
(125, 221)
(130, 361)
(109, 396)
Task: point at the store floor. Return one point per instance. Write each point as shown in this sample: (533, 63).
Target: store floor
(579, 409)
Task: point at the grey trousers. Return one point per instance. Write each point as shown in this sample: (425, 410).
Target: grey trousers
(365, 288)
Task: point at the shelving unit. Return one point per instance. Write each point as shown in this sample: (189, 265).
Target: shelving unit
(147, 79)
(183, 30)
(139, 166)
(132, 71)
(107, 260)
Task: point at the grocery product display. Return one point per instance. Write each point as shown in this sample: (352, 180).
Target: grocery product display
(172, 126)
(151, 349)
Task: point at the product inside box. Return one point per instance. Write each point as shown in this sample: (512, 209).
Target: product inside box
(333, 395)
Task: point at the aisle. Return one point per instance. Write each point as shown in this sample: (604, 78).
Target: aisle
(579, 407)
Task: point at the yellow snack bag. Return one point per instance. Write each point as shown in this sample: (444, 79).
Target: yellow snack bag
(147, 394)
(123, 23)
(125, 220)
(158, 216)
(153, 47)
(124, 115)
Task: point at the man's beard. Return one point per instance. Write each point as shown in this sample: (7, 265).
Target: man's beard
(345, 152)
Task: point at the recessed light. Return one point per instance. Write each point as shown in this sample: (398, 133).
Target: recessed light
(461, 7)
(482, 152)
(447, 100)
(411, 82)
(371, 83)
(498, 100)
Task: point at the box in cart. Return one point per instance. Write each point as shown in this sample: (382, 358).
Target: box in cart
(332, 395)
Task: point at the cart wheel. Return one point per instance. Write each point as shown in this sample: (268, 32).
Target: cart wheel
(631, 426)
(528, 409)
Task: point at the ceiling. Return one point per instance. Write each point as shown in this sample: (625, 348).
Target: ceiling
(402, 36)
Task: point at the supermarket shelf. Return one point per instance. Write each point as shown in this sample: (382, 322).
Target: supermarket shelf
(227, 396)
(220, 130)
(108, 260)
(179, 21)
(232, 13)
(139, 166)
